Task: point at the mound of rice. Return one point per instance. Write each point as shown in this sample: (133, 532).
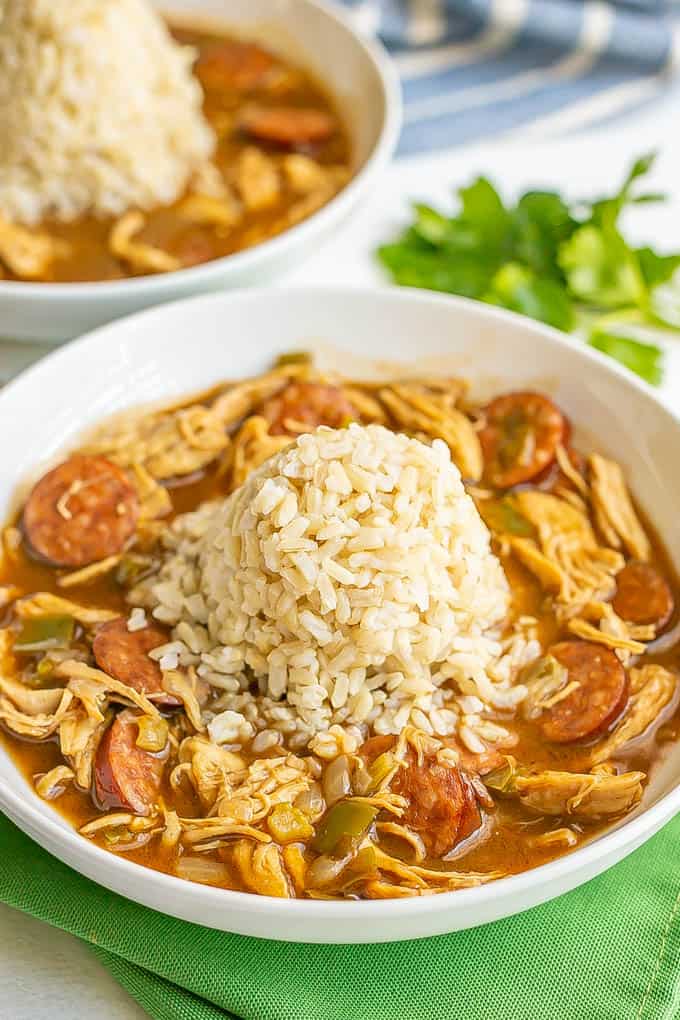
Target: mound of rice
(350, 582)
(99, 111)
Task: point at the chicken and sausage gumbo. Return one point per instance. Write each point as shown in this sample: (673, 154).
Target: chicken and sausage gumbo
(282, 153)
(156, 744)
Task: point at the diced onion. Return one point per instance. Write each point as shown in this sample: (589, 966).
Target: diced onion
(201, 869)
(336, 780)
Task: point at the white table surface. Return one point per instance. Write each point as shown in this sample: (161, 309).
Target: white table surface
(47, 975)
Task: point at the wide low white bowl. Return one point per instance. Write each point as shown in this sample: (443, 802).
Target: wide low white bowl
(169, 351)
(321, 38)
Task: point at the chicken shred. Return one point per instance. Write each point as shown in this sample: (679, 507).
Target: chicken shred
(652, 690)
(613, 509)
(567, 559)
(141, 257)
(591, 795)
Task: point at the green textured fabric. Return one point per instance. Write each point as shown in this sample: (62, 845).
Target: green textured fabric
(607, 951)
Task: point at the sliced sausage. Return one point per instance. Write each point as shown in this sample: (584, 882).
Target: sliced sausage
(233, 65)
(125, 776)
(442, 805)
(643, 596)
(82, 511)
(308, 404)
(124, 655)
(287, 125)
(520, 437)
(475, 763)
(599, 699)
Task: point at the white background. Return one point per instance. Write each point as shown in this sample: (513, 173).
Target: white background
(47, 975)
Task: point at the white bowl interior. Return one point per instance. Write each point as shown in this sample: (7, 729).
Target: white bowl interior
(176, 349)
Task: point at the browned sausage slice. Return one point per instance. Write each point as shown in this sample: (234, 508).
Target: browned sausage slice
(287, 125)
(125, 776)
(598, 700)
(307, 404)
(442, 805)
(643, 596)
(82, 511)
(124, 655)
(233, 65)
(520, 437)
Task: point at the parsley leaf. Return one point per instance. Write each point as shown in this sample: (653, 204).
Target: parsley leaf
(600, 268)
(520, 290)
(656, 268)
(560, 262)
(642, 358)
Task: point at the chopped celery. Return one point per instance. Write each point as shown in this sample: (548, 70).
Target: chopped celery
(37, 635)
(289, 824)
(348, 819)
(503, 517)
(502, 779)
(293, 358)
(153, 733)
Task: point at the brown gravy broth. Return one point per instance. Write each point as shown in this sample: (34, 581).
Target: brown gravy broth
(172, 231)
(514, 841)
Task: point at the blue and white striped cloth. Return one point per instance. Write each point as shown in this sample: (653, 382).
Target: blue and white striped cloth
(472, 69)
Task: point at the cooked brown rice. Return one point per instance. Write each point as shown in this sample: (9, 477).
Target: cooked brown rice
(99, 111)
(353, 578)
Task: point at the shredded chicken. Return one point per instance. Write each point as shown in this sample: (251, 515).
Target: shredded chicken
(619, 642)
(79, 736)
(184, 687)
(53, 783)
(31, 700)
(302, 174)
(257, 179)
(210, 210)
(165, 444)
(567, 558)
(414, 874)
(251, 447)
(35, 726)
(417, 410)
(88, 574)
(583, 795)
(249, 796)
(235, 402)
(207, 766)
(613, 508)
(28, 254)
(141, 257)
(261, 868)
(95, 689)
(45, 604)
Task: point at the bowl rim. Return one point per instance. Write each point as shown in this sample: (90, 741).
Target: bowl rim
(204, 274)
(626, 836)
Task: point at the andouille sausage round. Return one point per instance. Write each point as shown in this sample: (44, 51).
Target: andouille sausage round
(124, 655)
(643, 596)
(520, 436)
(125, 776)
(81, 511)
(597, 700)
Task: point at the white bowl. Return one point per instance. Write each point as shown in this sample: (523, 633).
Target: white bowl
(362, 79)
(170, 351)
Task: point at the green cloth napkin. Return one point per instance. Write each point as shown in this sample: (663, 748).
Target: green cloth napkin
(607, 951)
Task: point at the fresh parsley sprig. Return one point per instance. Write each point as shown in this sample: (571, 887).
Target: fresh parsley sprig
(566, 264)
